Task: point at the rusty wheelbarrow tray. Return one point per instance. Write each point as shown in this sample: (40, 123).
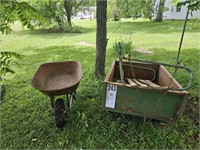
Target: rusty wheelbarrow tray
(147, 90)
(58, 78)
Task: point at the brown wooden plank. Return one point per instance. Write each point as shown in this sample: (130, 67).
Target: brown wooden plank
(165, 79)
(139, 83)
(148, 82)
(110, 74)
(131, 82)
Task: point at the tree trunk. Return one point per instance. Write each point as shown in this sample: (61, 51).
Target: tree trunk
(69, 21)
(68, 9)
(159, 17)
(101, 37)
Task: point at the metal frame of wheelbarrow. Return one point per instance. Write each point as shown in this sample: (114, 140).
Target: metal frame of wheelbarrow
(70, 98)
(53, 79)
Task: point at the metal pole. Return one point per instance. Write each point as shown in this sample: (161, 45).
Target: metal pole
(179, 49)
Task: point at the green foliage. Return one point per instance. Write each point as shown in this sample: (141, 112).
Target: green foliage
(65, 29)
(134, 8)
(147, 10)
(13, 10)
(127, 47)
(6, 59)
(54, 12)
(190, 4)
(160, 10)
(194, 23)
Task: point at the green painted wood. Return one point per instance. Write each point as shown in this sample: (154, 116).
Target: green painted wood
(148, 103)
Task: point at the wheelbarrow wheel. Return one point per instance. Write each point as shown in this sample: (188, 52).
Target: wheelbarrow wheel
(60, 113)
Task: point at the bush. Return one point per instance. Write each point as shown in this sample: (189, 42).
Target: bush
(195, 23)
(64, 29)
(127, 47)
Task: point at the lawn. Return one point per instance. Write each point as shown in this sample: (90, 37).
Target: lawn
(26, 121)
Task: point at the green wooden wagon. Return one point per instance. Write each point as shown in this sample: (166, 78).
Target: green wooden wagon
(146, 89)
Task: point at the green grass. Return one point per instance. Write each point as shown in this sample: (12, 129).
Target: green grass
(26, 121)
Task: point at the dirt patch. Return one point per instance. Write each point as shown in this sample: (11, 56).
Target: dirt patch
(141, 50)
(85, 44)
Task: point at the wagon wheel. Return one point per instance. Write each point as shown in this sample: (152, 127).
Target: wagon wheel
(60, 113)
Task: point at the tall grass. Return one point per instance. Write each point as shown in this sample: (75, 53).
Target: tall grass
(127, 46)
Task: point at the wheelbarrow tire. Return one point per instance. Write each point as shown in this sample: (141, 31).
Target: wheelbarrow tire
(60, 113)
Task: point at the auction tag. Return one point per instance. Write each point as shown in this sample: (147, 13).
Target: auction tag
(111, 96)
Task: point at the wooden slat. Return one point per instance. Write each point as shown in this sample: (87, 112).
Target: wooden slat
(165, 79)
(139, 83)
(148, 82)
(131, 82)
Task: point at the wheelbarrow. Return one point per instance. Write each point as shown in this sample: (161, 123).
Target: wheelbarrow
(58, 78)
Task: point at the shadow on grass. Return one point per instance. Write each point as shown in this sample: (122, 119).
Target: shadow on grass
(165, 27)
(84, 54)
(45, 33)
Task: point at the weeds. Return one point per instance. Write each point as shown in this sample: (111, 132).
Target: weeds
(126, 44)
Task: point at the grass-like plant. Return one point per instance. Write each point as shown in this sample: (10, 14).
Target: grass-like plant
(126, 45)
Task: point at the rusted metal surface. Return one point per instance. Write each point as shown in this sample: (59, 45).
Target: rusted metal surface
(149, 101)
(57, 78)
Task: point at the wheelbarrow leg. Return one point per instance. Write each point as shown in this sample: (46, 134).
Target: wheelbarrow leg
(68, 104)
(74, 95)
(70, 99)
(52, 102)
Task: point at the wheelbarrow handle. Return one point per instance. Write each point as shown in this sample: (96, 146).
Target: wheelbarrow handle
(170, 65)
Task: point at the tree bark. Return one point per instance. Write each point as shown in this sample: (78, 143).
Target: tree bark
(101, 37)
(159, 17)
(68, 4)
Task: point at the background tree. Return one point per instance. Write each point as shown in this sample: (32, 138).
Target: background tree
(101, 37)
(112, 10)
(71, 7)
(161, 8)
(191, 4)
(148, 8)
(60, 12)
(135, 8)
(54, 12)
(10, 11)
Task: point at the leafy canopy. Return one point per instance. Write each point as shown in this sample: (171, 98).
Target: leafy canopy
(10, 11)
(191, 4)
(13, 10)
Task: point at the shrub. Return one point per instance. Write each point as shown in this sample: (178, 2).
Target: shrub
(127, 47)
(195, 23)
(64, 29)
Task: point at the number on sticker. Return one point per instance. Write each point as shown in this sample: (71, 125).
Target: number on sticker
(112, 88)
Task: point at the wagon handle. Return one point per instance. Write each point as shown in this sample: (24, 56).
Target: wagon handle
(170, 65)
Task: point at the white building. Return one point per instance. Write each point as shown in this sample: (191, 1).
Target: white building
(178, 12)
